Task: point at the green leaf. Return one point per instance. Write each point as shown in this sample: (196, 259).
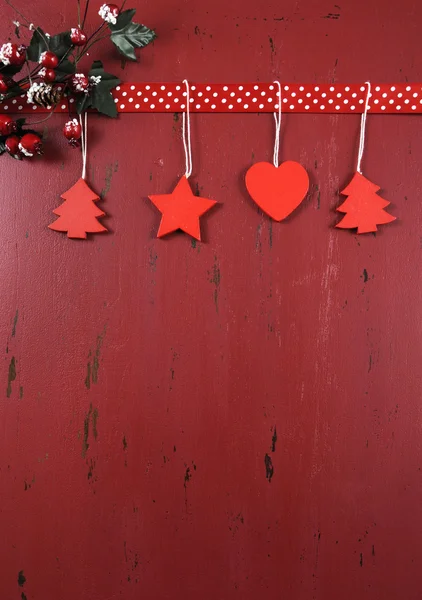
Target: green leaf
(131, 36)
(124, 18)
(37, 45)
(60, 44)
(13, 90)
(83, 103)
(108, 80)
(20, 131)
(64, 69)
(99, 95)
(10, 70)
(103, 101)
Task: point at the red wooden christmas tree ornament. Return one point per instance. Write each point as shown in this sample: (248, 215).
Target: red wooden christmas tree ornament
(364, 208)
(181, 210)
(78, 214)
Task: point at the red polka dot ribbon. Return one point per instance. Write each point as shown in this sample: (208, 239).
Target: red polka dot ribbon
(252, 98)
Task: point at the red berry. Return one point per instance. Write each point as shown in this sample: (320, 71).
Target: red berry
(12, 54)
(79, 82)
(77, 36)
(114, 9)
(30, 144)
(3, 85)
(48, 75)
(109, 12)
(72, 130)
(49, 59)
(12, 145)
(7, 125)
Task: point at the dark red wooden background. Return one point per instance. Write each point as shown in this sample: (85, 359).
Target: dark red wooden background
(229, 419)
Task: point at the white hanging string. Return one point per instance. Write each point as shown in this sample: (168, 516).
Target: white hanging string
(362, 128)
(84, 127)
(277, 119)
(186, 132)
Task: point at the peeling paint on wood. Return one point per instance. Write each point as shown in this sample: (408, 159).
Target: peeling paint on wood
(15, 322)
(269, 468)
(90, 424)
(94, 360)
(215, 278)
(11, 376)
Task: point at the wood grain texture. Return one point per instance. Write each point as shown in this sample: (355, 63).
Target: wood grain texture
(230, 419)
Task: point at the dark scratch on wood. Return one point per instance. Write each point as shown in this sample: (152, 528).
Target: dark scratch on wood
(110, 169)
(270, 39)
(94, 422)
(187, 478)
(90, 418)
(216, 279)
(93, 366)
(96, 360)
(85, 444)
(88, 372)
(15, 322)
(274, 439)
(11, 376)
(269, 468)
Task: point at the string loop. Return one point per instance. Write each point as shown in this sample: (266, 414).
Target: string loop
(186, 132)
(277, 119)
(84, 126)
(363, 127)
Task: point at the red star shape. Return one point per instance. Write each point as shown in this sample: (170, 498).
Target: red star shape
(181, 210)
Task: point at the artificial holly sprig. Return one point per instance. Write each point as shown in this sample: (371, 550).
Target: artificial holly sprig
(52, 60)
(58, 56)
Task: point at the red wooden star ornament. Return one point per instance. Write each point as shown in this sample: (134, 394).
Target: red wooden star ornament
(181, 210)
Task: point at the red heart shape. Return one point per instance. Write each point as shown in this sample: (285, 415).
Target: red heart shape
(277, 190)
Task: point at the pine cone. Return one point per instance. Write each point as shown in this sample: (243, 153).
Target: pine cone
(43, 94)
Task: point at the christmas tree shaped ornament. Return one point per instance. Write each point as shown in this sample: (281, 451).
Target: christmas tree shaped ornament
(277, 189)
(182, 209)
(78, 215)
(364, 208)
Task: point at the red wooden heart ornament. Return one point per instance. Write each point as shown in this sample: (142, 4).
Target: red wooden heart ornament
(277, 190)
